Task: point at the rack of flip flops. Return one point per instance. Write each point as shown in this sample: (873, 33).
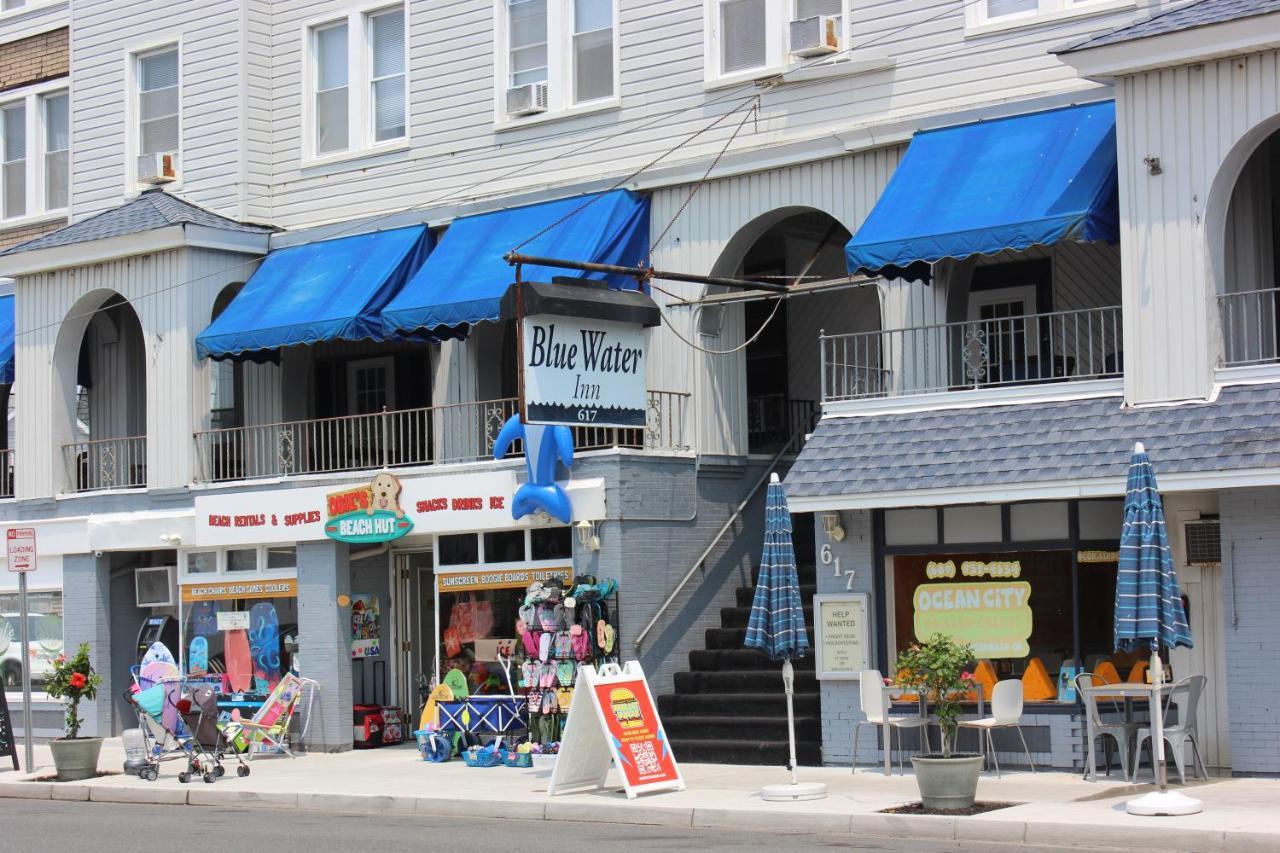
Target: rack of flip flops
(561, 629)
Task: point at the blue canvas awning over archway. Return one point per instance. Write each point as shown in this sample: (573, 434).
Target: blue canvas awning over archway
(1007, 183)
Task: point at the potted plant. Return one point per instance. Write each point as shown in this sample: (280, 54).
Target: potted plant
(939, 668)
(73, 679)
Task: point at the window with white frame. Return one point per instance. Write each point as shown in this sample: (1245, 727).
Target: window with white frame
(556, 55)
(750, 38)
(1014, 11)
(158, 93)
(359, 82)
(34, 141)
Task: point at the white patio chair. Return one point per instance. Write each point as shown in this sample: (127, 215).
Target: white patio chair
(1186, 695)
(875, 708)
(1006, 713)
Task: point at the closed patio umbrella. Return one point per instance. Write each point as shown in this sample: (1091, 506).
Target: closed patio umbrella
(776, 626)
(1149, 610)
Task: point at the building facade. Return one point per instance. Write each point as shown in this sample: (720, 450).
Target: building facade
(239, 156)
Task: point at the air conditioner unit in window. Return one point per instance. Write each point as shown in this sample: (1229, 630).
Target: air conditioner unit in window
(1203, 539)
(527, 100)
(154, 587)
(158, 168)
(815, 36)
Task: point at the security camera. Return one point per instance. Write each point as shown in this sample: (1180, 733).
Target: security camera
(97, 553)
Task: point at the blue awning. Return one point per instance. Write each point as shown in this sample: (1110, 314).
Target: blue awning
(463, 281)
(323, 291)
(1003, 184)
(6, 339)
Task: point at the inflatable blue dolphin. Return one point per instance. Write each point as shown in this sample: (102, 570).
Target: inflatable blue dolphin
(544, 446)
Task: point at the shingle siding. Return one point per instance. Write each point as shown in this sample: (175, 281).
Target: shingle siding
(1200, 14)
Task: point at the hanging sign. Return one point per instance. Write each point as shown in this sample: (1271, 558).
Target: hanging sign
(626, 731)
(583, 371)
(500, 579)
(840, 635)
(368, 514)
(232, 620)
(20, 545)
(994, 617)
(366, 626)
(229, 590)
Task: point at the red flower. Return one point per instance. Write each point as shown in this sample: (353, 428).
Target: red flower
(60, 659)
(78, 680)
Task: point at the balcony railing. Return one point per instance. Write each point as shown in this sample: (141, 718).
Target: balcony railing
(107, 463)
(459, 432)
(1249, 327)
(772, 422)
(1062, 346)
(6, 473)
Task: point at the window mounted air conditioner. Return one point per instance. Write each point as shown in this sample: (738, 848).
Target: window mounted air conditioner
(154, 587)
(1203, 539)
(527, 100)
(818, 35)
(158, 169)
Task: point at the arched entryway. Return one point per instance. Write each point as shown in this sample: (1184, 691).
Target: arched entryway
(100, 421)
(781, 383)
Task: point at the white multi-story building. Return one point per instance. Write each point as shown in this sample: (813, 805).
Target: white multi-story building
(1019, 235)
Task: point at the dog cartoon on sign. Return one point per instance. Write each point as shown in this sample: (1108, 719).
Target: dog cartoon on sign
(385, 489)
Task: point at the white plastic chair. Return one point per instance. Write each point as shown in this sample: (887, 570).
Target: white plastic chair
(1006, 713)
(875, 707)
(1186, 695)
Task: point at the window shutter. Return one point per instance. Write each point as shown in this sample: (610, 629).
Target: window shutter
(742, 35)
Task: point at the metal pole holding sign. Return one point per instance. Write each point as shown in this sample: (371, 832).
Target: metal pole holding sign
(20, 548)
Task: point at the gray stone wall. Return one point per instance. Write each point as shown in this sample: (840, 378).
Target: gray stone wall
(86, 619)
(1251, 599)
(324, 631)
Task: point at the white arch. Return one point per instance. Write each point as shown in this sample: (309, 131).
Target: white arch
(1218, 201)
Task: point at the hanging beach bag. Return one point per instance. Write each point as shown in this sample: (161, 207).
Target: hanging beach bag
(472, 619)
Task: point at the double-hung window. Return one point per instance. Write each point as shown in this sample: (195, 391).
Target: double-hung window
(556, 56)
(359, 82)
(159, 130)
(753, 38)
(35, 140)
(1015, 12)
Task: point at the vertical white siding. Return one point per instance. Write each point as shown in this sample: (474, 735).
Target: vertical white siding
(256, 45)
(1203, 122)
(846, 188)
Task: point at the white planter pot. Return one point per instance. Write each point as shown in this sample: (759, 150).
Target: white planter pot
(947, 783)
(76, 759)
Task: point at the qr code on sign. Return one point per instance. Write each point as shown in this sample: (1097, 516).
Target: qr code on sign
(646, 759)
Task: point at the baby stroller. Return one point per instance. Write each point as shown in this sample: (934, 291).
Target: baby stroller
(205, 744)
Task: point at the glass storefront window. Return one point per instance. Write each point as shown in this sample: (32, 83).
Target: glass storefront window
(242, 559)
(506, 546)
(202, 562)
(44, 634)
(1038, 521)
(971, 524)
(252, 661)
(461, 549)
(282, 557)
(911, 527)
(551, 543)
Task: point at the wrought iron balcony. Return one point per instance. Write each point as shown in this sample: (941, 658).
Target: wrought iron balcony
(1249, 327)
(459, 432)
(1061, 346)
(107, 463)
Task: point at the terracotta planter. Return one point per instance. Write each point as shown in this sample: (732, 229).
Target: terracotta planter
(76, 759)
(947, 783)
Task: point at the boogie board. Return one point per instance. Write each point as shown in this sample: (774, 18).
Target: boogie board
(441, 693)
(204, 618)
(198, 656)
(239, 661)
(264, 645)
(158, 653)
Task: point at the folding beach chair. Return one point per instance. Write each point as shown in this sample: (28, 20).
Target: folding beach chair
(270, 726)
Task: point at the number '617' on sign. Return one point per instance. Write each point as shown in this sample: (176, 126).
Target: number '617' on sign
(20, 547)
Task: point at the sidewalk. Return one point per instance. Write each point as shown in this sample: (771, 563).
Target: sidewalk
(1056, 809)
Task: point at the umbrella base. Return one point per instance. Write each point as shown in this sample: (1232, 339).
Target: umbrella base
(1157, 804)
(793, 793)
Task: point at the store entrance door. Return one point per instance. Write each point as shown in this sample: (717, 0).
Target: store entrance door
(1202, 593)
(415, 623)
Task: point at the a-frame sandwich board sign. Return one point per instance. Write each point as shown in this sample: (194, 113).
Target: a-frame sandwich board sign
(613, 719)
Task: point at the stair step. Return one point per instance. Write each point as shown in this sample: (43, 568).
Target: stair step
(738, 704)
(743, 681)
(696, 751)
(747, 594)
(732, 638)
(738, 617)
(741, 728)
(725, 660)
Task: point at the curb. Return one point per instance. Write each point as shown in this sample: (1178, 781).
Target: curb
(899, 829)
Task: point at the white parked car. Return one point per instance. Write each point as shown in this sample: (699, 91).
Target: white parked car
(44, 635)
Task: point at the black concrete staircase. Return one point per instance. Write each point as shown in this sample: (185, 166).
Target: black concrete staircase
(729, 708)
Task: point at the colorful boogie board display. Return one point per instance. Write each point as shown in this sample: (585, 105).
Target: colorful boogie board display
(264, 646)
(369, 513)
(626, 732)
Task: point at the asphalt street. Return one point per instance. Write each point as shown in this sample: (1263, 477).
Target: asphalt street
(39, 825)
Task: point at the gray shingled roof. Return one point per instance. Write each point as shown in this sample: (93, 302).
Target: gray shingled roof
(1041, 443)
(149, 211)
(1198, 14)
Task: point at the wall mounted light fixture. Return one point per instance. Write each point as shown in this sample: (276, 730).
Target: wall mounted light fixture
(831, 526)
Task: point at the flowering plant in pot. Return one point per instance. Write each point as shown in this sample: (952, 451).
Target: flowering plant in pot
(940, 669)
(74, 679)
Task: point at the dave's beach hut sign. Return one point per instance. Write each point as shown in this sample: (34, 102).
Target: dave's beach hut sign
(368, 513)
(583, 353)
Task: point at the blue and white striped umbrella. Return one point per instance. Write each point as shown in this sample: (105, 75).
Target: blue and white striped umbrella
(777, 625)
(1148, 600)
